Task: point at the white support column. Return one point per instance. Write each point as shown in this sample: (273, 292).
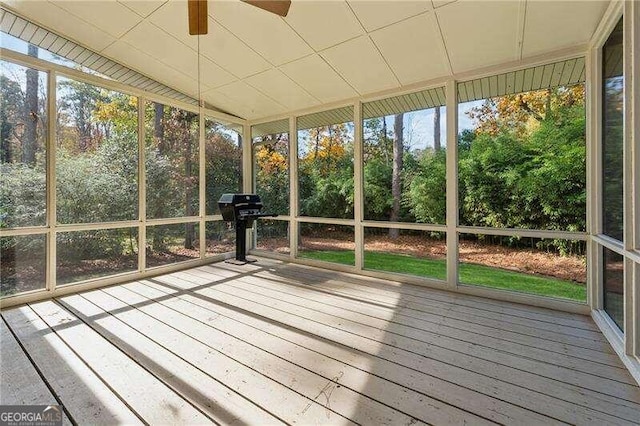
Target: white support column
(358, 183)
(629, 307)
(142, 188)
(50, 281)
(636, 309)
(294, 207)
(247, 169)
(631, 69)
(247, 172)
(202, 179)
(634, 12)
(254, 187)
(452, 184)
(593, 178)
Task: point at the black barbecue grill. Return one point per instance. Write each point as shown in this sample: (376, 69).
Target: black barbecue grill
(242, 210)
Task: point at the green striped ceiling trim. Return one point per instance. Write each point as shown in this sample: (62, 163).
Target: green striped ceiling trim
(404, 103)
(54, 43)
(563, 73)
(270, 128)
(324, 118)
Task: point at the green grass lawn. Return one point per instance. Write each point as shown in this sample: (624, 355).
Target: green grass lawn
(470, 273)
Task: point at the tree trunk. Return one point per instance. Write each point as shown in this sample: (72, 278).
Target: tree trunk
(158, 126)
(6, 131)
(188, 171)
(30, 136)
(396, 178)
(384, 139)
(158, 244)
(436, 129)
(240, 189)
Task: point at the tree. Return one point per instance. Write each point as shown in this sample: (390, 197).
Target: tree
(272, 177)
(526, 169)
(158, 126)
(75, 111)
(29, 139)
(223, 163)
(396, 176)
(523, 112)
(427, 188)
(11, 107)
(436, 129)
(326, 172)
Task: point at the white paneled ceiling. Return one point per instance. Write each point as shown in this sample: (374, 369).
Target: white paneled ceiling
(480, 33)
(374, 14)
(323, 24)
(254, 64)
(360, 63)
(319, 79)
(413, 48)
(275, 84)
(552, 16)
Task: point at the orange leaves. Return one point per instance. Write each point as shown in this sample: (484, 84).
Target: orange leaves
(270, 161)
(522, 113)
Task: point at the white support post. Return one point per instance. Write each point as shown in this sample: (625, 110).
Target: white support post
(636, 309)
(50, 281)
(247, 172)
(631, 69)
(634, 124)
(294, 206)
(593, 178)
(358, 183)
(254, 187)
(142, 188)
(202, 179)
(452, 184)
(246, 159)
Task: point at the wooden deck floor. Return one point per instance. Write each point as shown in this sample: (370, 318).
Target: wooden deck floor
(282, 343)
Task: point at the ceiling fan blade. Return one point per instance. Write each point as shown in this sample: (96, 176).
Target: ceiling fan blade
(198, 19)
(279, 7)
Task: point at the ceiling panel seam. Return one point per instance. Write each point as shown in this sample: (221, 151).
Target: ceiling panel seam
(288, 78)
(443, 45)
(186, 46)
(322, 50)
(243, 42)
(385, 60)
(522, 19)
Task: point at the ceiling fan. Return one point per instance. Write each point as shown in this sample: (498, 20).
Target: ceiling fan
(198, 12)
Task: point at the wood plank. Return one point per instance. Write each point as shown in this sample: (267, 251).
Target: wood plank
(616, 397)
(145, 394)
(382, 368)
(357, 378)
(21, 384)
(425, 320)
(330, 392)
(407, 353)
(560, 343)
(282, 402)
(82, 392)
(420, 296)
(378, 286)
(505, 366)
(219, 402)
(438, 318)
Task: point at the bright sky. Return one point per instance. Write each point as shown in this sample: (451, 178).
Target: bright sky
(418, 125)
